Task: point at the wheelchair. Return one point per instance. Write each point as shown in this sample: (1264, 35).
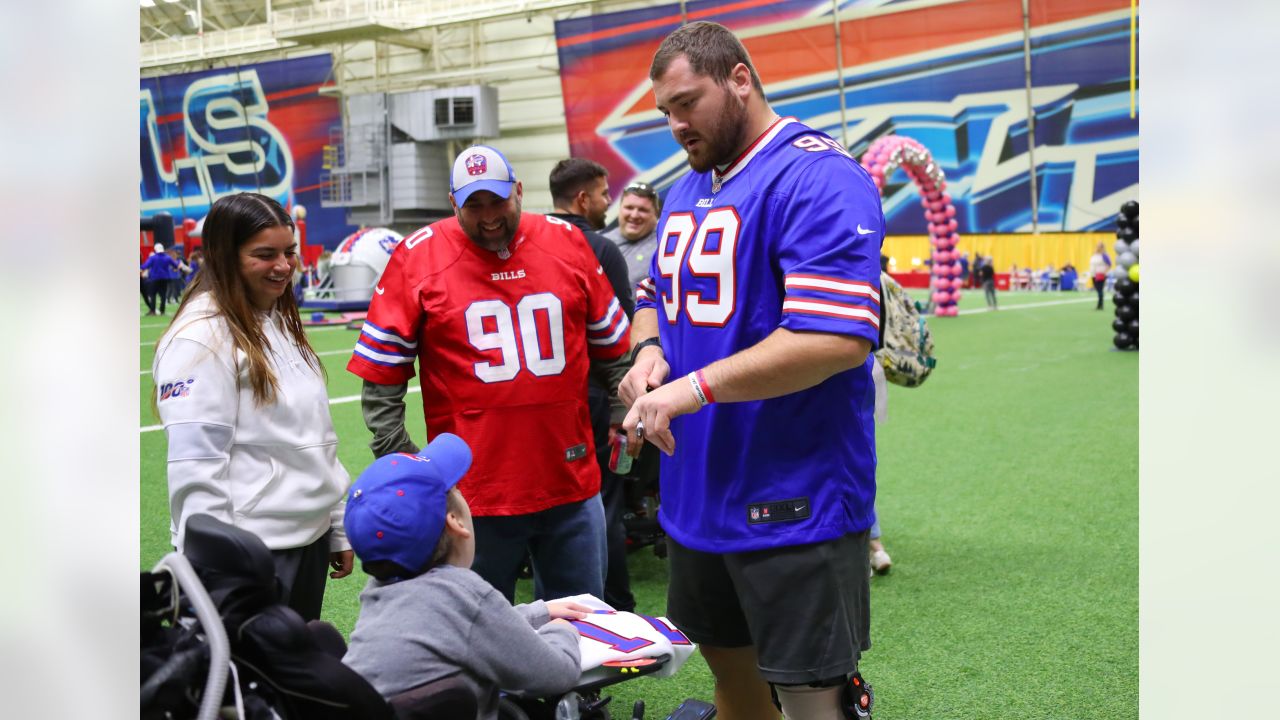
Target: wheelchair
(217, 643)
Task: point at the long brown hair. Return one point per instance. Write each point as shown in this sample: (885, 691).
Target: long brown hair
(231, 222)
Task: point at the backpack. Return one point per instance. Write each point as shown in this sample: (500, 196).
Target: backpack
(906, 347)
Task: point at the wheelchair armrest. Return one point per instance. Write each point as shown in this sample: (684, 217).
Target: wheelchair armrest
(449, 698)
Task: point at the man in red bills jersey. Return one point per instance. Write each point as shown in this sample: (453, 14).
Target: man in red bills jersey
(505, 312)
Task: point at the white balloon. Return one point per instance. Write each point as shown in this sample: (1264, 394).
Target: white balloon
(1133, 247)
(1122, 247)
(1126, 260)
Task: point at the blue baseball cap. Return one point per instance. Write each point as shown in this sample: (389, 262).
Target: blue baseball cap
(396, 508)
(481, 167)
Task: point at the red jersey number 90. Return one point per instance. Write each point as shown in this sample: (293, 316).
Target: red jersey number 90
(542, 342)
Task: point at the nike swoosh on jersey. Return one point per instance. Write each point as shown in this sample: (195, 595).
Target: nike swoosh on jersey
(599, 270)
(864, 231)
(379, 290)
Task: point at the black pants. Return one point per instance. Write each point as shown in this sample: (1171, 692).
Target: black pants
(159, 295)
(302, 573)
(613, 493)
(617, 578)
(148, 294)
(1099, 285)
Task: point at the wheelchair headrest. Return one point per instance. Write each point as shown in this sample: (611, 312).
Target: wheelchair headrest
(234, 565)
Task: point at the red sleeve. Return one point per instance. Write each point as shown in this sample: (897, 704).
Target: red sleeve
(608, 330)
(388, 342)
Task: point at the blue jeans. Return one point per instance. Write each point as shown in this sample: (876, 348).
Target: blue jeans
(567, 544)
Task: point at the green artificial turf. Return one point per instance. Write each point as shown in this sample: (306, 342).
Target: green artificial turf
(1008, 498)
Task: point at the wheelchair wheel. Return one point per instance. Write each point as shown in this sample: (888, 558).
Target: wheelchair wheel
(590, 706)
(509, 710)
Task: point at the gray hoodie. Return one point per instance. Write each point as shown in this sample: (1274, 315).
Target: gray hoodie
(449, 619)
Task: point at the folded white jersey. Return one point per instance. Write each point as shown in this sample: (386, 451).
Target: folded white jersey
(608, 636)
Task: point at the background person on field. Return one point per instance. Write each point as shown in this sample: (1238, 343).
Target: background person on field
(1099, 266)
(174, 291)
(243, 401)
(580, 191)
(637, 232)
(159, 269)
(987, 276)
(144, 287)
(194, 262)
(877, 556)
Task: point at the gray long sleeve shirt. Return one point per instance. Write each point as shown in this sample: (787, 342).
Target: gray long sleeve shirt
(449, 619)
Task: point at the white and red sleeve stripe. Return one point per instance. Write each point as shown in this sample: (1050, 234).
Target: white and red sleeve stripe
(832, 297)
(646, 291)
(607, 336)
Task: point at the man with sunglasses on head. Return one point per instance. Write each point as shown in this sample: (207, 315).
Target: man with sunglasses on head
(637, 232)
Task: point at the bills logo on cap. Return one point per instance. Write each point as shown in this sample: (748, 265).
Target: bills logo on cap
(477, 165)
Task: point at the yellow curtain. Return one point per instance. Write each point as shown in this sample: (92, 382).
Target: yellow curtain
(1006, 250)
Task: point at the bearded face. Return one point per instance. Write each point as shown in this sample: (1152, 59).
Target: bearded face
(706, 117)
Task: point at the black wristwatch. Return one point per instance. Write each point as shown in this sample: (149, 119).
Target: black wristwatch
(642, 345)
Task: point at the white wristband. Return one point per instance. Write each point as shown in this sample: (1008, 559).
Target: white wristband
(697, 390)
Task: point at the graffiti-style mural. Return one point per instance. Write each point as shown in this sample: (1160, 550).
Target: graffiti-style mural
(949, 74)
(260, 128)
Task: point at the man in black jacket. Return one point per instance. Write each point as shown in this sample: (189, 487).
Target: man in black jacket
(580, 192)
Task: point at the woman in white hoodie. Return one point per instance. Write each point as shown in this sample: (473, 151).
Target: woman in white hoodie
(242, 397)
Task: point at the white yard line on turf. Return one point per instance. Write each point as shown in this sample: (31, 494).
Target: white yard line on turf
(332, 401)
(321, 354)
(971, 311)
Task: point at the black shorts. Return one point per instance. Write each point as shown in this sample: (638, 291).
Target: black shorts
(805, 608)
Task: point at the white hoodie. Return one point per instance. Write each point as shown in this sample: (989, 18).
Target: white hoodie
(272, 469)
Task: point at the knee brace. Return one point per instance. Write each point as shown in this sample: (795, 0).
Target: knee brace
(838, 698)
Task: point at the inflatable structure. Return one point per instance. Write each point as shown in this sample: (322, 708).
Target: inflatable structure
(891, 152)
(357, 264)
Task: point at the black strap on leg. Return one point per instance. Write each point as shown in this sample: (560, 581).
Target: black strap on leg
(856, 699)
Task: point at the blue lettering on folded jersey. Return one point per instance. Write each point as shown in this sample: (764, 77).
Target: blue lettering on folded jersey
(675, 636)
(615, 641)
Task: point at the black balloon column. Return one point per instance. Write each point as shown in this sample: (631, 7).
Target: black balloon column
(1126, 275)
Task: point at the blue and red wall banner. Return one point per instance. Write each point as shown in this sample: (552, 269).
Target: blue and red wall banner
(950, 73)
(260, 128)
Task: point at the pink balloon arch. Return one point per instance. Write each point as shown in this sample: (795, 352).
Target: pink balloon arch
(896, 151)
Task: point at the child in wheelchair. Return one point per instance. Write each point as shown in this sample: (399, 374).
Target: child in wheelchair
(433, 640)
(424, 614)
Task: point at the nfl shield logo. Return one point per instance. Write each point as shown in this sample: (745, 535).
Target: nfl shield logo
(755, 513)
(476, 165)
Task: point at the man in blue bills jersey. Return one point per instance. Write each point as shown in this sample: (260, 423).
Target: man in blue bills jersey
(753, 335)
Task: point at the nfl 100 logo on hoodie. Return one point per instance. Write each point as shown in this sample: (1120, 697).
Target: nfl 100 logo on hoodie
(176, 389)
